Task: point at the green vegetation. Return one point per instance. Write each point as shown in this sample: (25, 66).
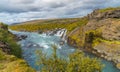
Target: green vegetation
(7, 37)
(77, 37)
(76, 62)
(97, 38)
(108, 9)
(44, 25)
(2, 55)
(12, 62)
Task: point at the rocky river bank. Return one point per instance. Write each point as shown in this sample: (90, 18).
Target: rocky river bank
(100, 36)
(35, 41)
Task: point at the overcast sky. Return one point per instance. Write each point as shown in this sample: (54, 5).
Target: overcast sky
(12, 11)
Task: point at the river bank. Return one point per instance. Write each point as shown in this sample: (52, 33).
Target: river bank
(35, 41)
(100, 36)
(10, 53)
(98, 32)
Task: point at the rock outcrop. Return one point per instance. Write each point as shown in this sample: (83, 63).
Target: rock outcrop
(101, 35)
(20, 37)
(5, 47)
(106, 29)
(97, 14)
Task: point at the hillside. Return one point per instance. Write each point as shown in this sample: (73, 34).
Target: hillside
(45, 25)
(10, 53)
(101, 35)
(52, 63)
(98, 33)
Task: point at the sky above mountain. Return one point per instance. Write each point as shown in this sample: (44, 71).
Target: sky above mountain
(13, 11)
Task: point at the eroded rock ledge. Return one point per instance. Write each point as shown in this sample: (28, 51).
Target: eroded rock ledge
(101, 35)
(98, 15)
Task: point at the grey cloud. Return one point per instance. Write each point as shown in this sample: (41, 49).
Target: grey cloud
(12, 11)
(23, 1)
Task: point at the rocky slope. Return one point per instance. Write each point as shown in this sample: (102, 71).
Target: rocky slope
(10, 53)
(101, 35)
(105, 13)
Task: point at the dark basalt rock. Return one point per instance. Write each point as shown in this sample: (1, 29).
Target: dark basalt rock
(40, 31)
(20, 37)
(23, 36)
(5, 47)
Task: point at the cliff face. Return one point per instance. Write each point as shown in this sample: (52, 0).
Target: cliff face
(101, 35)
(10, 53)
(106, 13)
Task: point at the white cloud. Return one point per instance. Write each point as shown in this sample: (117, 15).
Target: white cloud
(12, 11)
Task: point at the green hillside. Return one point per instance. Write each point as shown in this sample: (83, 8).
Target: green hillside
(10, 53)
(39, 25)
(97, 33)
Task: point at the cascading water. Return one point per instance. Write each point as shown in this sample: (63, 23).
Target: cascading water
(35, 41)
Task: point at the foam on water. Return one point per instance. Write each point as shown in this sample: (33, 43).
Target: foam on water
(43, 42)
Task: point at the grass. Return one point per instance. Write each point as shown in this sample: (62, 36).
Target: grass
(7, 37)
(10, 63)
(69, 24)
(108, 9)
(96, 41)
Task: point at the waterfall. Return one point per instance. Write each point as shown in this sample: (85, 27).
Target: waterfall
(60, 32)
(64, 35)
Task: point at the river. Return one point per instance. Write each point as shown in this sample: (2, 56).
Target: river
(35, 41)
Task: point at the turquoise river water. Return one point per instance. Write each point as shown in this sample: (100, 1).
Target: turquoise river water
(36, 41)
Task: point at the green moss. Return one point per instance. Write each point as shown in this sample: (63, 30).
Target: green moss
(97, 37)
(94, 36)
(96, 33)
(78, 37)
(96, 41)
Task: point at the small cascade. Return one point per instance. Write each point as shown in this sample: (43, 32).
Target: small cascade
(60, 32)
(42, 42)
(64, 35)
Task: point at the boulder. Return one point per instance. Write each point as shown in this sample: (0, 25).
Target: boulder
(20, 37)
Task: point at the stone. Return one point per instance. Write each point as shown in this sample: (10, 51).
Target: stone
(62, 42)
